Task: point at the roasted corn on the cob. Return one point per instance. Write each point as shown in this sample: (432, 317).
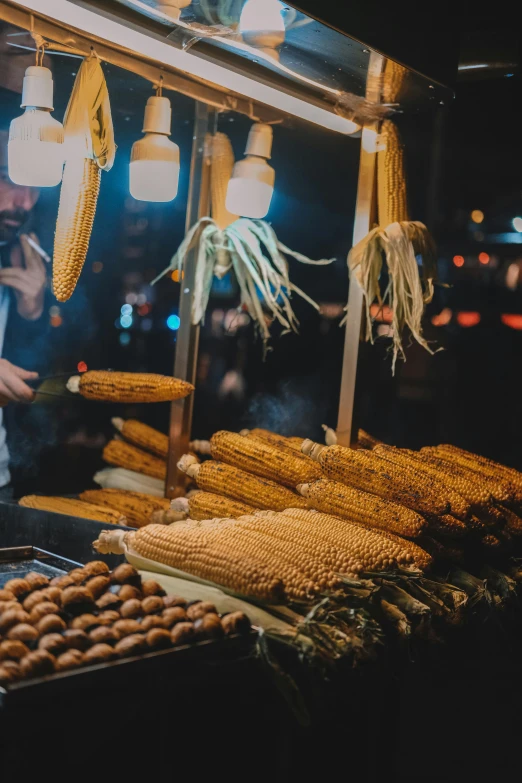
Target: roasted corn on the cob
(128, 386)
(215, 558)
(209, 505)
(135, 506)
(125, 455)
(73, 508)
(273, 439)
(223, 479)
(143, 436)
(262, 459)
(357, 506)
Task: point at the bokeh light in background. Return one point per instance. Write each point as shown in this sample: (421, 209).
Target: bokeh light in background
(458, 260)
(126, 321)
(443, 318)
(477, 216)
(483, 258)
(173, 322)
(468, 318)
(517, 224)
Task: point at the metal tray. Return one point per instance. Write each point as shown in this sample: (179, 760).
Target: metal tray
(143, 671)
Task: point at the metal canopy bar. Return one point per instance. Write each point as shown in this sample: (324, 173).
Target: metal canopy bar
(76, 42)
(128, 37)
(346, 431)
(187, 336)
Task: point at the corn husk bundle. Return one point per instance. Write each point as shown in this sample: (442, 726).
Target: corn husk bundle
(90, 147)
(248, 247)
(396, 240)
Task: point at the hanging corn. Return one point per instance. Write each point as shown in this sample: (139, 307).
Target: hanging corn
(250, 248)
(90, 147)
(397, 239)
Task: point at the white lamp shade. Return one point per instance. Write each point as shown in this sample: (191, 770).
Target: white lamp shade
(36, 151)
(250, 188)
(262, 16)
(153, 180)
(248, 197)
(154, 168)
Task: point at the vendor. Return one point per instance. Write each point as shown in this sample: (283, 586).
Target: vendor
(22, 291)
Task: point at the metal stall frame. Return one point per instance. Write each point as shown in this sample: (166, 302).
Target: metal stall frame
(209, 102)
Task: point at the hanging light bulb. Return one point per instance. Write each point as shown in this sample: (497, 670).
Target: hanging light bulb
(154, 166)
(251, 186)
(36, 149)
(262, 25)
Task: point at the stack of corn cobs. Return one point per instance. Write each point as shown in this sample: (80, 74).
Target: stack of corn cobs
(285, 520)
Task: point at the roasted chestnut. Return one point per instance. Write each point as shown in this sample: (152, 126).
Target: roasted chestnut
(85, 622)
(209, 627)
(12, 650)
(173, 600)
(37, 664)
(18, 587)
(72, 659)
(51, 623)
(12, 617)
(78, 575)
(176, 614)
(108, 617)
(109, 601)
(127, 592)
(99, 653)
(61, 581)
(98, 585)
(76, 639)
(152, 621)
(53, 643)
(126, 574)
(131, 609)
(23, 632)
(41, 610)
(158, 638)
(151, 587)
(199, 609)
(235, 622)
(126, 627)
(182, 633)
(77, 600)
(96, 567)
(152, 604)
(103, 634)
(36, 581)
(130, 645)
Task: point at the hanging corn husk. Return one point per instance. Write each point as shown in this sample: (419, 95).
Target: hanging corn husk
(397, 240)
(248, 247)
(90, 147)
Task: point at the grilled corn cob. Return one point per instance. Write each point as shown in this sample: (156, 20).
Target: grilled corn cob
(478, 497)
(366, 441)
(367, 471)
(78, 199)
(73, 508)
(119, 478)
(367, 549)
(223, 479)
(258, 457)
(357, 506)
(211, 557)
(501, 490)
(273, 439)
(135, 506)
(485, 467)
(128, 386)
(208, 505)
(143, 436)
(124, 455)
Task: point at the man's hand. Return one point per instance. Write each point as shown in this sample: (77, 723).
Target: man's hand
(27, 277)
(12, 386)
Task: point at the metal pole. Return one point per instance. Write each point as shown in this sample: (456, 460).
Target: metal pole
(363, 209)
(185, 364)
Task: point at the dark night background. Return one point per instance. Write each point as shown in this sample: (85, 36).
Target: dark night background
(468, 394)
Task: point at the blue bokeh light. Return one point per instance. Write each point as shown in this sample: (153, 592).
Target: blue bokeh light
(173, 322)
(126, 309)
(126, 321)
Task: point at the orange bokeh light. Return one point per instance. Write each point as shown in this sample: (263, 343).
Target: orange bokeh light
(513, 320)
(175, 275)
(458, 260)
(82, 367)
(443, 318)
(381, 313)
(468, 318)
(483, 258)
(56, 320)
